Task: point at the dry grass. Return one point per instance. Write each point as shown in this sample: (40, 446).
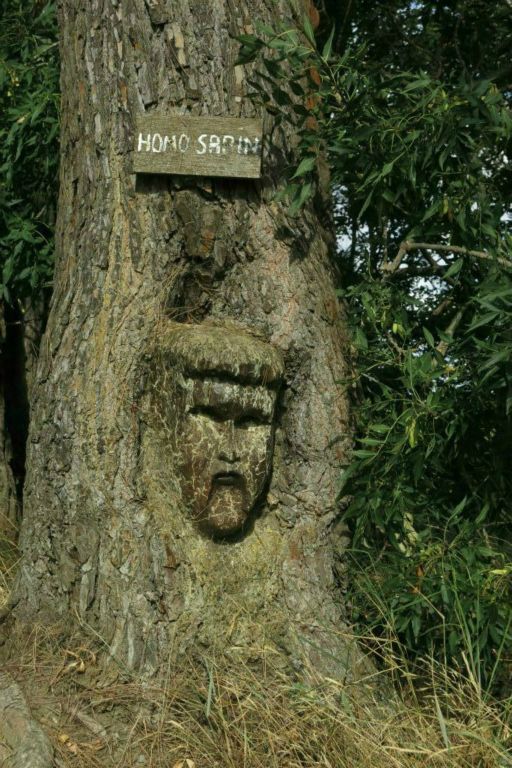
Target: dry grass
(253, 718)
(8, 560)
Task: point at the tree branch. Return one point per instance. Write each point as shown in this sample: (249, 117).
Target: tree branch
(409, 271)
(442, 347)
(389, 267)
(447, 302)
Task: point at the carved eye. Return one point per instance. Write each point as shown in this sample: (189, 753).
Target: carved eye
(208, 411)
(251, 420)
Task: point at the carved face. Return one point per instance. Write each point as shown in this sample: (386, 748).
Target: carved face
(224, 451)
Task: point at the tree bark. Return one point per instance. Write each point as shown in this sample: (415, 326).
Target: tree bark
(105, 546)
(21, 326)
(8, 500)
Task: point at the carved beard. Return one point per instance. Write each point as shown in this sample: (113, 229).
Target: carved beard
(228, 506)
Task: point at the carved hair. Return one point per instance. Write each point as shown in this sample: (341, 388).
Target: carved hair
(224, 351)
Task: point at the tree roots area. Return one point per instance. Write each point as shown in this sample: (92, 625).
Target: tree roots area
(59, 708)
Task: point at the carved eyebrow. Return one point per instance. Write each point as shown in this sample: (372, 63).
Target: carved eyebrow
(226, 377)
(224, 411)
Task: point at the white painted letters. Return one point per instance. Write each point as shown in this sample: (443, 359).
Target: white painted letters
(228, 143)
(171, 141)
(184, 142)
(198, 145)
(214, 145)
(157, 143)
(211, 143)
(246, 146)
(142, 141)
(253, 146)
(202, 143)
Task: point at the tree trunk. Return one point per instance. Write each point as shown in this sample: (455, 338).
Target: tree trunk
(21, 326)
(8, 500)
(150, 271)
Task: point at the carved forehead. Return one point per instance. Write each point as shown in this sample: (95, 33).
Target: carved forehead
(231, 398)
(223, 352)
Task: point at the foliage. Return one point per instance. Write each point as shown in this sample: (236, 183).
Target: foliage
(417, 136)
(430, 481)
(28, 146)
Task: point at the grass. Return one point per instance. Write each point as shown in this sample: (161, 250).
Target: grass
(8, 560)
(254, 717)
(210, 716)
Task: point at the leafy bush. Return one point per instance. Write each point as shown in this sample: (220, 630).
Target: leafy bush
(430, 483)
(417, 137)
(29, 75)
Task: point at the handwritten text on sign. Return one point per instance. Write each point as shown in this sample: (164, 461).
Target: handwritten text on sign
(198, 146)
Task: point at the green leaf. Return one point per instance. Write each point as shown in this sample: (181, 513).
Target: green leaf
(304, 194)
(365, 205)
(430, 339)
(305, 166)
(251, 41)
(379, 428)
(309, 31)
(497, 357)
(454, 268)
(327, 49)
(421, 82)
(387, 168)
(482, 320)
(7, 271)
(360, 340)
(431, 211)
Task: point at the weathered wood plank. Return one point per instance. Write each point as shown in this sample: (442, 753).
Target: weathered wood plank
(198, 146)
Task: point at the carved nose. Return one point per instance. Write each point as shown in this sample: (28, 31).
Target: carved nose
(228, 451)
(228, 455)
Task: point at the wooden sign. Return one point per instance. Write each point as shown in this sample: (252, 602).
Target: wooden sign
(198, 146)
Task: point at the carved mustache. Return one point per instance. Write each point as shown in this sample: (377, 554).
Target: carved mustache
(229, 478)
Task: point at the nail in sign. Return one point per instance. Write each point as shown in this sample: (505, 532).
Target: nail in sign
(198, 146)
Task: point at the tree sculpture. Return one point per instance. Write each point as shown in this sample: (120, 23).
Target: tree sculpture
(189, 423)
